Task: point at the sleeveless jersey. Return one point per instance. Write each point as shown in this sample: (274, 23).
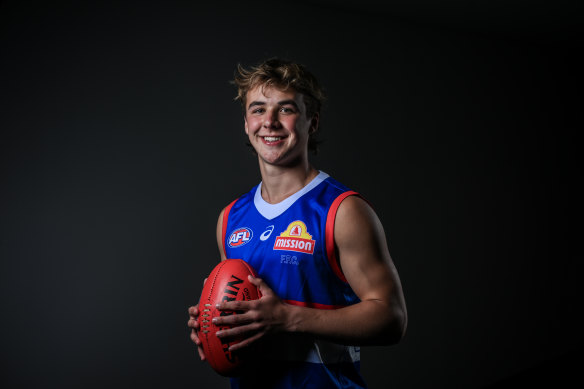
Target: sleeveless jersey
(291, 247)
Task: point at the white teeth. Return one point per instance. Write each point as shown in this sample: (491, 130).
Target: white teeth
(272, 138)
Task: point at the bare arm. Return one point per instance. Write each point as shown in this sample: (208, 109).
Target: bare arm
(219, 233)
(380, 317)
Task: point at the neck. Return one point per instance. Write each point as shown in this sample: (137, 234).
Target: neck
(278, 182)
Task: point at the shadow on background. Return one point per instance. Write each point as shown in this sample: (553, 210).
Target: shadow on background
(560, 372)
(121, 143)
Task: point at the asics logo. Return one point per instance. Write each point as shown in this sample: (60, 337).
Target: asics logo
(266, 234)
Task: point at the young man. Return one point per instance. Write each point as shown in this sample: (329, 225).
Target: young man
(327, 280)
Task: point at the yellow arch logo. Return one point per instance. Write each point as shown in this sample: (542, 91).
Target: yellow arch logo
(296, 229)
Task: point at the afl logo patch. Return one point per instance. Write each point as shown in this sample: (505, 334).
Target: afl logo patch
(240, 237)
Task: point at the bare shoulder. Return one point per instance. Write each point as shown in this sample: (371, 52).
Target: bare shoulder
(354, 204)
(357, 221)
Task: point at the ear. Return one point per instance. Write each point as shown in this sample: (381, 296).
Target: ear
(313, 124)
(245, 125)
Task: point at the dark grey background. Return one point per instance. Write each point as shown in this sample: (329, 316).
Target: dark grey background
(120, 144)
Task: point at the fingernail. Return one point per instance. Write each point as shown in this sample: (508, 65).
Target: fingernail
(219, 334)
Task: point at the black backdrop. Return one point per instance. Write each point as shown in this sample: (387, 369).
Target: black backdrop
(121, 143)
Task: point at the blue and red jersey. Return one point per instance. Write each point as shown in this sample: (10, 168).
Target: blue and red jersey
(291, 247)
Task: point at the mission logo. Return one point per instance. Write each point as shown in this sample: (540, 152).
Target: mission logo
(295, 238)
(239, 237)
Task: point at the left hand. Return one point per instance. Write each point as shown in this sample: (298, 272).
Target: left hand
(255, 318)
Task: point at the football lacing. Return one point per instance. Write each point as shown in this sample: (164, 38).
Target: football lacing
(205, 320)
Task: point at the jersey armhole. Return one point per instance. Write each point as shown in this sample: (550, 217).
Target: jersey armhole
(224, 224)
(330, 234)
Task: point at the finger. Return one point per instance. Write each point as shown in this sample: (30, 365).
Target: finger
(240, 306)
(233, 320)
(246, 342)
(265, 290)
(201, 354)
(238, 332)
(195, 338)
(254, 280)
(193, 323)
(194, 311)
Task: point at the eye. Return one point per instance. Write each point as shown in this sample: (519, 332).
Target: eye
(257, 111)
(287, 110)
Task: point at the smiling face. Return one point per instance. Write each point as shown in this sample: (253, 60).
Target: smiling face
(277, 125)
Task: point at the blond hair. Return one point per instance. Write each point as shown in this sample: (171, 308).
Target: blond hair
(282, 74)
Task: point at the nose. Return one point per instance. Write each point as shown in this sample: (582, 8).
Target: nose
(271, 120)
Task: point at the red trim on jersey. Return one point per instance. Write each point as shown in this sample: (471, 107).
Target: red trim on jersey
(330, 234)
(313, 305)
(224, 224)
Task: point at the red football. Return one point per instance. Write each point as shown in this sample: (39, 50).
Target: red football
(227, 282)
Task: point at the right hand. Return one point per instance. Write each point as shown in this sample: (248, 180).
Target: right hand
(194, 325)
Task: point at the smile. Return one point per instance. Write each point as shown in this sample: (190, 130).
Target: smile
(272, 140)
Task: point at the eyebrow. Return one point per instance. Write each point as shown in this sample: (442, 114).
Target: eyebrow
(286, 102)
(254, 103)
(283, 102)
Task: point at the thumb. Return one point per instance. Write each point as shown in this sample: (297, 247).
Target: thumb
(265, 290)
